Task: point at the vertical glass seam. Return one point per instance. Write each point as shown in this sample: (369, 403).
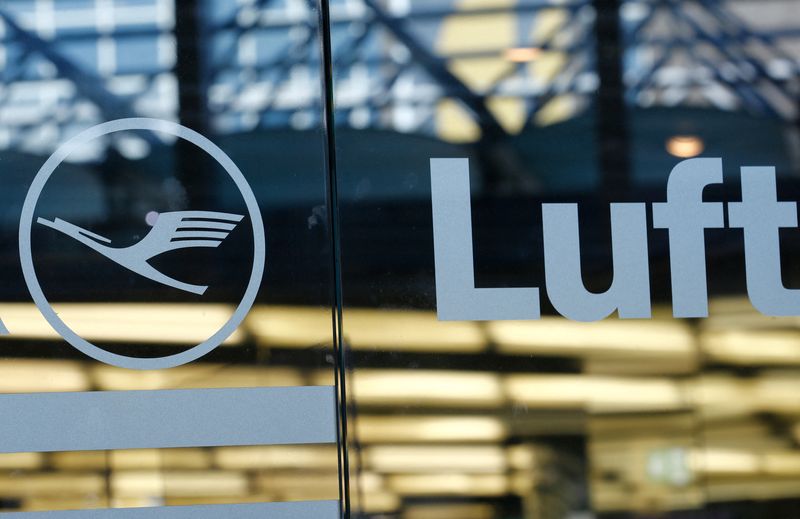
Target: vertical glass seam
(326, 65)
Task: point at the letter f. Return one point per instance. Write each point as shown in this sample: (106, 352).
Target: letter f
(687, 216)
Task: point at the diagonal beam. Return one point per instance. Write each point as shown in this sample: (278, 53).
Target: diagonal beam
(503, 167)
(86, 82)
(748, 94)
(437, 68)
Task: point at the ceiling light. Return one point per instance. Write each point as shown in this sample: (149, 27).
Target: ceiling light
(429, 429)
(556, 336)
(277, 457)
(596, 393)
(522, 54)
(375, 502)
(399, 330)
(455, 509)
(723, 461)
(419, 387)
(21, 460)
(685, 146)
(33, 376)
(299, 485)
(123, 322)
(450, 484)
(737, 313)
(782, 463)
(430, 458)
(51, 484)
(747, 348)
(194, 376)
(182, 484)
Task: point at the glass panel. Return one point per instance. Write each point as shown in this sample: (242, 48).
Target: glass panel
(177, 239)
(541, 114)
(716, 79)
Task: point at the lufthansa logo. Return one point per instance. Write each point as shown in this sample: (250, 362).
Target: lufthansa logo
(171, 231)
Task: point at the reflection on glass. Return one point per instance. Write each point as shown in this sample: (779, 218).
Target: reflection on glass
(552, 101)
(243, 74)
(573, 102)
(142, 478)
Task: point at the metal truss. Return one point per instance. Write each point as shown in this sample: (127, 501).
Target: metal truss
(47, 94)
(261, 62)
(710, 55)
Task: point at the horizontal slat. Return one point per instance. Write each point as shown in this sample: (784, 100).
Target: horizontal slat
(44, 422)
(299, 510)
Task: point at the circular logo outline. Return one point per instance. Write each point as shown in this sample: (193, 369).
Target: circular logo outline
(26, 255)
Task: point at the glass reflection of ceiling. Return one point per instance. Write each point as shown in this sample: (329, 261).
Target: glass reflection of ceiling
(662, 404)
(67, 65)
(454, 69)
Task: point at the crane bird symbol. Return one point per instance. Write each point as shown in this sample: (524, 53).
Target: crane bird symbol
(172, 231)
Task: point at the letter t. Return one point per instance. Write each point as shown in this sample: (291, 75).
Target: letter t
(761, 215)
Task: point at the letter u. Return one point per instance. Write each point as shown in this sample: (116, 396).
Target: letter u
(630, 289)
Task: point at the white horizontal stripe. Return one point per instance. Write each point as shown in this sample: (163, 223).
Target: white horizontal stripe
(43, 422)
(299, 510)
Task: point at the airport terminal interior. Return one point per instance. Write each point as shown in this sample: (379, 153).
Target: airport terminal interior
(332, 110)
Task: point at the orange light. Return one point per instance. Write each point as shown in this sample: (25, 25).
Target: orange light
(522, 54)
(685, 146)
